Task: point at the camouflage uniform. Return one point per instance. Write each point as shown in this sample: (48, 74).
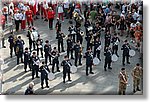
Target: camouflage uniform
(136, 74)
(122, 83)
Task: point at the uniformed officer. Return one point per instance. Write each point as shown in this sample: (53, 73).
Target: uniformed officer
(96, 30)
(115, 41)
(47, 50)
(70, 46)
(78, 53)
(137, 75)
(79, 36)
(58, 26)
(86, 25)
(88, 39)
(72, 32)
(107, 40)
(122, 81)
(11, 44)
(89, 61)
(19, 49)
(44, 74)
(107, 54)
(39, 43)
(126, 48)
(61, 42)
(35, 65)
(30, 38)
(55, 55)
(66, 68)
(26, 59)
(97, 48)
(29, 90)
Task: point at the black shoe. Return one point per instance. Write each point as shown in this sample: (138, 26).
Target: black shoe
(138, 89)
(91, 72)
(63, 81)
(25, 71)
(80, 64)
(128, 62)
(62, 51)
(109, 68)
(37, 77)
(87, 74)
(32, 78)
(105, 69)
(69, 80)
(58, 70)
(134, 91)
(42, 87)
(72, 58)
(47, 86)
(123, 64)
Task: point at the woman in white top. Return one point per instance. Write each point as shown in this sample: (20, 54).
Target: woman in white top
(60, 12)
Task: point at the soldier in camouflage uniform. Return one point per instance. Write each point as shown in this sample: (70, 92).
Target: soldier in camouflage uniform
(122, 81)
(136, 74)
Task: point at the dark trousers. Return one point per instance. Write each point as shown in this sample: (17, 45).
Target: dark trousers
(18, 57)
(107, 63)
(35, 70)
(97, 53)
(30, 45)
(51, 23)
(34, 45)
(46, 58)
(87, 67)
(73, 36)
(39, 49)
(55, 62)
(68, 52)
(17, 22)
(11, 50)
(115, 50)
(42, 81)
(125, 57)
(64, 75)
(60, 43)
(26, 63)
(77, 57)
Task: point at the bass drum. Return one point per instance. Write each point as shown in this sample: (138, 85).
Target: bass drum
(96, 61)
(73, 69)
(132, 53)
(114, 57)
(51, 76)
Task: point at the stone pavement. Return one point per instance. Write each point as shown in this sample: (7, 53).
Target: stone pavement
(101, 82)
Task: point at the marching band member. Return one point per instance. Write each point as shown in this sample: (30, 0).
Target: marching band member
(107, 40)
(122, 81)
(70, 46)
(11, 44)
(78, 53)
(29, 90)
(35, 65)
(86, 25)
(89, 61)
(72, 32)
(88, 39)
(44, 74)
(115, 41)
(60, 41)
(47, 50)
(126, 48)
(78, 34)
(97, 48)
(55, 55)
(66, 68)
(19, 49)
(39, 43)
(137, 75)
(108, 60)
(26, 59)
(58, 27)
(29, 16)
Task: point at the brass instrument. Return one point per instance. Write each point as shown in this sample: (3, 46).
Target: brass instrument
(64, 36)
(15, 39)
(92, 40)
(75, 14)
(17, 49)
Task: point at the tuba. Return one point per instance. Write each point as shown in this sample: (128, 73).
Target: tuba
(82, 33)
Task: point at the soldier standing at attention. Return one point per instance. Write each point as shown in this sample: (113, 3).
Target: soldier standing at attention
(11, 44)
(26, 59)
(136, 74)
(122, 81)
(47, 50)
(70, 46)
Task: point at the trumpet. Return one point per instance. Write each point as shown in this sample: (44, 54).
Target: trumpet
(63, 35)
(75, 14)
